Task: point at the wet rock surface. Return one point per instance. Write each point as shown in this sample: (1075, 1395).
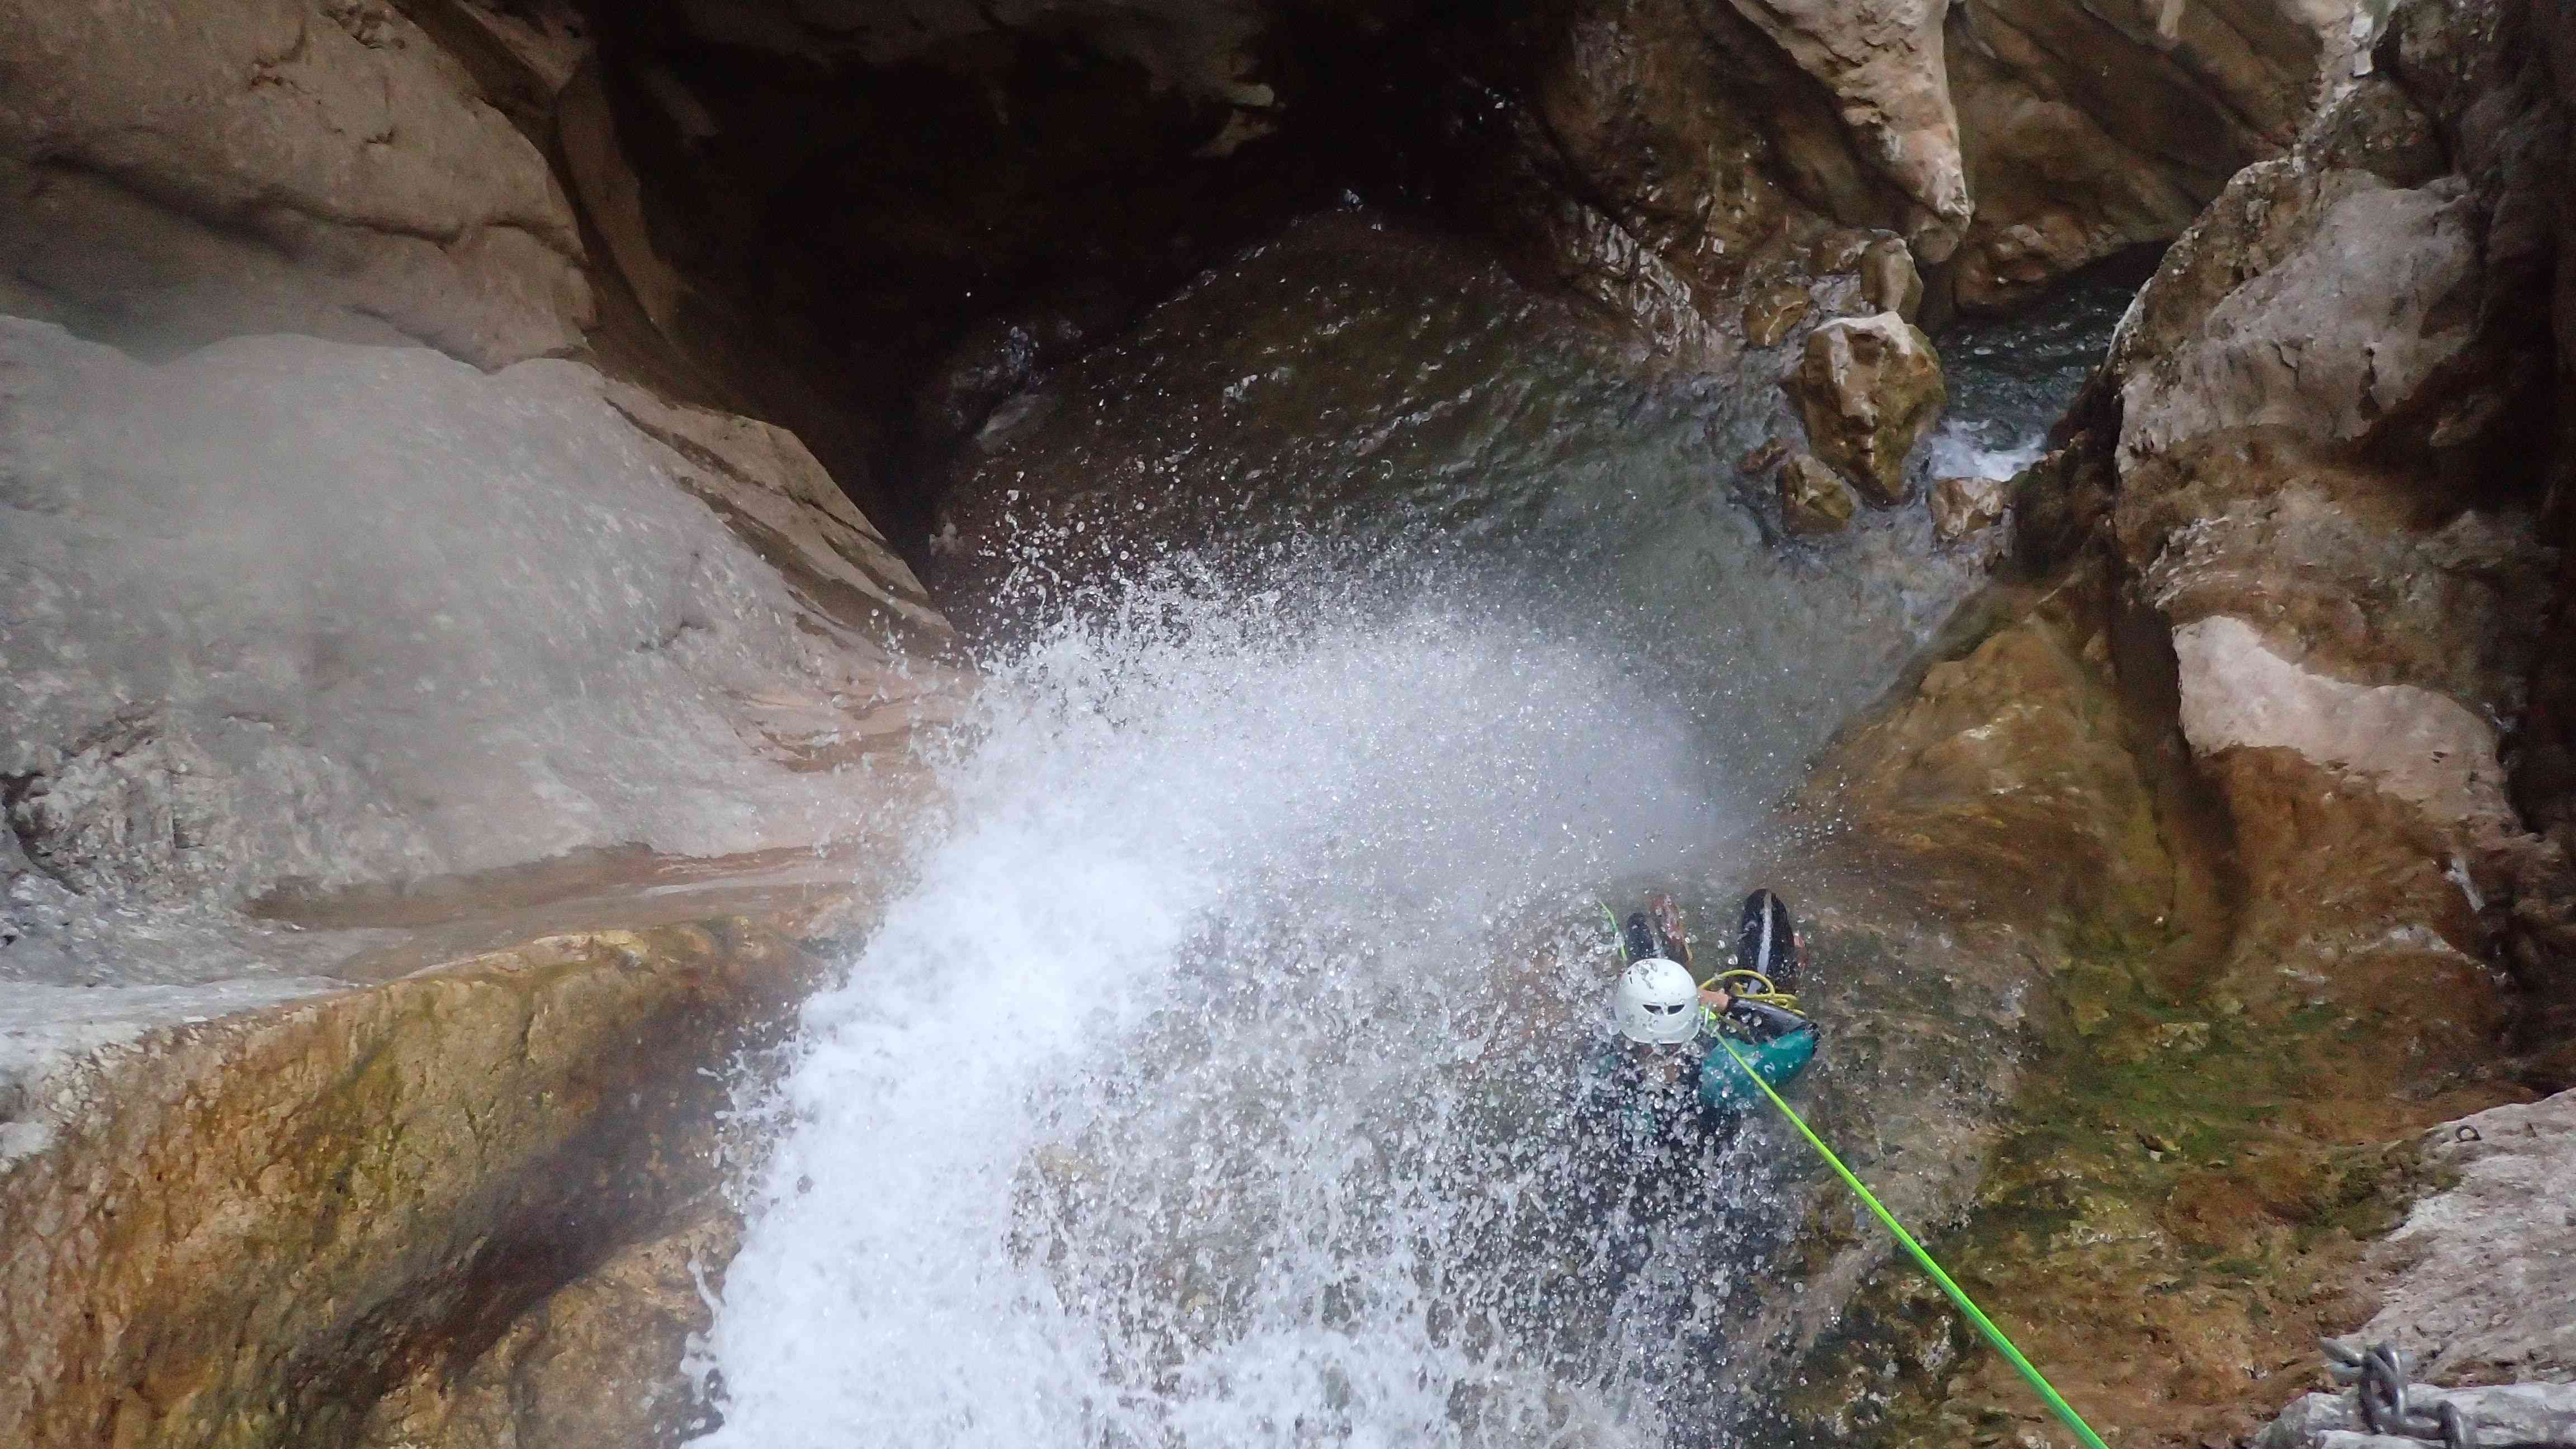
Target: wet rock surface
(2186, 1160)
(247, 1229)
(1813, 498)
(2217, 864)
(418, 783)
(1868, 390)
(2310, 564)
(604, 1360)
(2295, 483)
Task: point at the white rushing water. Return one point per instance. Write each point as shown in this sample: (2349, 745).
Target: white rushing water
(1211, 1086)
(1200, 1093)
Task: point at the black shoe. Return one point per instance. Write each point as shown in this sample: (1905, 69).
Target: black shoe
(1767, 941)
(1637, 938)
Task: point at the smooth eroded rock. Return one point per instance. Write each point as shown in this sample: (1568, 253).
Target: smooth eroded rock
(179, 173)
(2417, 744)
(1868, 390)
(242, 1231)
(270, 610)
(292, 613)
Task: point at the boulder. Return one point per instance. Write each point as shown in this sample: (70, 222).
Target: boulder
(1889, 281)
(1813, 499)
(1962, 506)
(189, 172)
(1868, 390)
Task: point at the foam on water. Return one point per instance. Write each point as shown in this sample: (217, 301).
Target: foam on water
(1974, 450)
(1200, 1092)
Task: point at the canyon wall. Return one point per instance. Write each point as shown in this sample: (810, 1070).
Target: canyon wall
(2316, 498)
(873, 222)
(439, 445)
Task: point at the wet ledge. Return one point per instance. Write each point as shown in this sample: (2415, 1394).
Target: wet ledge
(247, 1230)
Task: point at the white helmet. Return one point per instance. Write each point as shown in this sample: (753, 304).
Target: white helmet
(1658, 1003)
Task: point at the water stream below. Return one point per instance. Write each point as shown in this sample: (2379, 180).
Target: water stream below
(1212, 1084)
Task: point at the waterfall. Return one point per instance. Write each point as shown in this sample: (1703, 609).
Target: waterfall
(1213, 1083)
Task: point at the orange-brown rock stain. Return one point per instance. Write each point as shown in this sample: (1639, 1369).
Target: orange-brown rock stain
(271, 1220)
(2258, 980)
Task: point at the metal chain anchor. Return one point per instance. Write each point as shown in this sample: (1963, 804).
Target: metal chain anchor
(2378, 1379)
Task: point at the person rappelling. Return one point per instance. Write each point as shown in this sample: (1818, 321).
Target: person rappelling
(1693, 1055)
(1686, 1046)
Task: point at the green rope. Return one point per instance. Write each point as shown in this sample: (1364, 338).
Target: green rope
(2047, 1391)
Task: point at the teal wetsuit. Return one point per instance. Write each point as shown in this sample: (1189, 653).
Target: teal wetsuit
(1709, 1088)
(1723, 1085)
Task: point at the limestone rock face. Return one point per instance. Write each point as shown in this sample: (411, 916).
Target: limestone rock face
(2420, 745)
(270, 615)
(186, 172)
(1868, 389)
(2228, 1029)
(1882, 61)
(2320, 487)
(243, 1231)
(2477, 1280)
(2011, 776)
(1813, 498)
(2090, 129)
(1657, 152)
(2291, 349)
(1976, 829)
